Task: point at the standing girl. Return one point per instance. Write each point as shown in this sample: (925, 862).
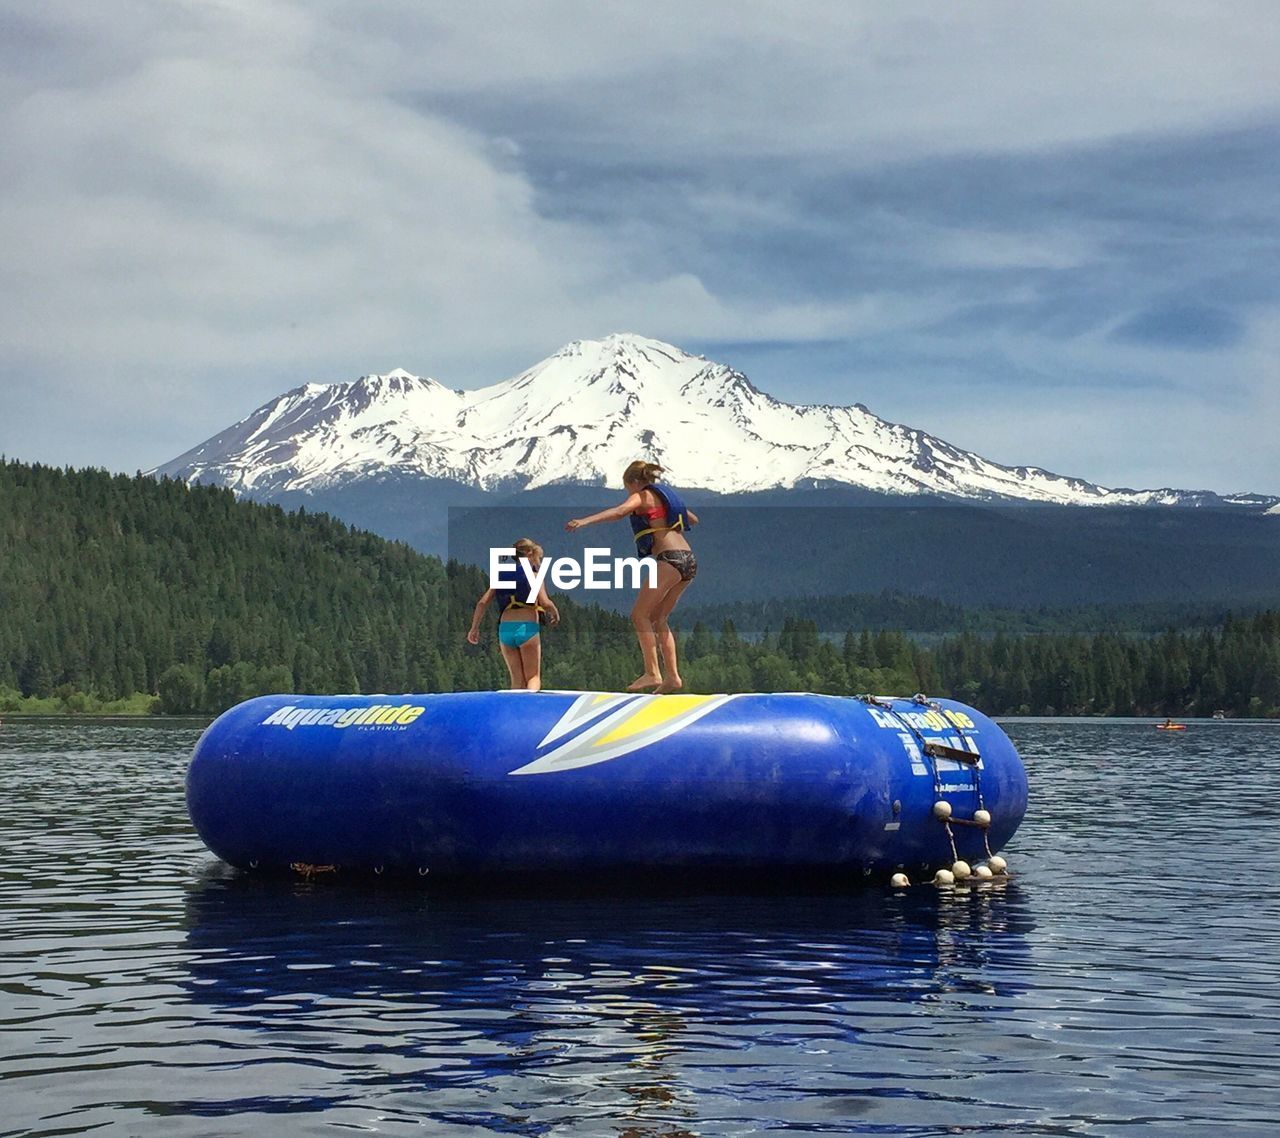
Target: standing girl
(659, 520)
(519, 637)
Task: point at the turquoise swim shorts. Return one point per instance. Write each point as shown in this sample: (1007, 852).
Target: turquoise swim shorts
(513, 633)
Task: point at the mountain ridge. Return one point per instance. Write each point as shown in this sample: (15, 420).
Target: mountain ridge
(580, 415)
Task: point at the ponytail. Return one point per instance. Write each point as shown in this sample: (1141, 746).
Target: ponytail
(529, 549)
(641, 471)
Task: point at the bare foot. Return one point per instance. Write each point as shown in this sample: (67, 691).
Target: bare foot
(645, 681)
(670, 684)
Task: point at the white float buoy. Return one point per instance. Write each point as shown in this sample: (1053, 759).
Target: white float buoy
(944, 877)
(899, 879)
(942, 809)
(983, 871)
(961, 870)
(982, 817)
(998, 864)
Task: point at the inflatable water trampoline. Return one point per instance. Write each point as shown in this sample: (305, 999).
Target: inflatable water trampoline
(576, 785)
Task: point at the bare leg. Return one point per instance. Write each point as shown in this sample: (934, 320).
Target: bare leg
(531, 659)
(665, 637)
(511, 657)
(642, 618)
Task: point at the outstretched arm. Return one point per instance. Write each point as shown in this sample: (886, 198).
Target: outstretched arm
(473, 635)
(613, 514)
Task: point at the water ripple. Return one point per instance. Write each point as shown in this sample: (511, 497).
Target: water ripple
(1127, 977)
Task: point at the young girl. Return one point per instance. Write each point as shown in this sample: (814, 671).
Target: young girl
(658, 519)
(518, 630)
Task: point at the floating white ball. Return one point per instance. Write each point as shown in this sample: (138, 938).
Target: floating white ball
(942, 809)
(982, 817)
(944, 877)
(998, 864)
(983, 871)
(961, 870)
(899, 879)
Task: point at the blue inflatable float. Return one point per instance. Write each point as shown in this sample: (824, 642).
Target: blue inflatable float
(574, 785)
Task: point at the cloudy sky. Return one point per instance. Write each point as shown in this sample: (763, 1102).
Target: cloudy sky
(1046, 232)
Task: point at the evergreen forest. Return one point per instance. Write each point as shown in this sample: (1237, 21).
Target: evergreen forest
(128, 593)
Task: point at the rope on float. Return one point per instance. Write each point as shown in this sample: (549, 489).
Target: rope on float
(936, 751)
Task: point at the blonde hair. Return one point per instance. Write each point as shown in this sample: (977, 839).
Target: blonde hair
(528, 548)
(641, 471)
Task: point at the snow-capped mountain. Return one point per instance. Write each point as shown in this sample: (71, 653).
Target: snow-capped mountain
(583, 414)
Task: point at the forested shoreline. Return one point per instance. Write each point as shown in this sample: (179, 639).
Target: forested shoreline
(133, 594)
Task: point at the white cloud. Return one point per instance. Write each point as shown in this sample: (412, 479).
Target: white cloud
(899, 80)
(205, 202)
(233, 213)
(1116, 415)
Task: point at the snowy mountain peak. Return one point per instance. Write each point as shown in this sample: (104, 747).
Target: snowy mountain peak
(397, 380)
(622, 345)
(585, 412)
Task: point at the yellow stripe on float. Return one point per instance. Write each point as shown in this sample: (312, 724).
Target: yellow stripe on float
(658, 711)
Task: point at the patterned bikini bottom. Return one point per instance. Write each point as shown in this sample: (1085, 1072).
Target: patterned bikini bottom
(682, 561)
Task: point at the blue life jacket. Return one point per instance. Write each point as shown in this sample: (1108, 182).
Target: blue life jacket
(677, 518)
(516, 594)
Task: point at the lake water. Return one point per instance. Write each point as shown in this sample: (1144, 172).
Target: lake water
(1126, 980)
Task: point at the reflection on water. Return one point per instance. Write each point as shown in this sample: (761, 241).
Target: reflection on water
(596, 1002)
(1126, 977)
